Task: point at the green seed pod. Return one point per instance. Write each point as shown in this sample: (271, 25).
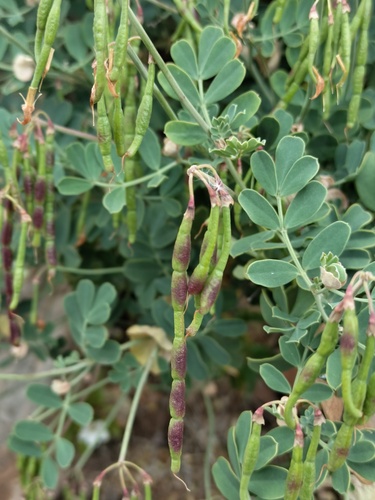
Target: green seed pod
(369, 403)
(131, 199)
(41, 20)
(20, 262)
(308, 482)
(121, 43)
(305, 380)
(348, 350)
(100, 45)
(251, 453)
(341, 447)
(213, 284)
(314, 36)
(51, 28)
(200, 273)
(130, 164)
(336, 29)
(295, 473)
(118, 123)
(280, 6)
(359, 385)
(144, 111)
(182, 246)
(360, 67)
(357, 20)
(314, 365)
(345, 43)
(103, 128)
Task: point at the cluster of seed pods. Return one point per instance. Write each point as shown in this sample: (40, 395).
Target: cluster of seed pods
(331, 28)
(357, 391)
(119, 119)
(203, 284)
(47, 23)
(28, 207)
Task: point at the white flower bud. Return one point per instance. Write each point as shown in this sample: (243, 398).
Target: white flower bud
(23, 67)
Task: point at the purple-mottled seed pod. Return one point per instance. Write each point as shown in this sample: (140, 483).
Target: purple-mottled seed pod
(196, 284)
(28, 184)
(15, 331)
(178, 361)
(179, 290)
(8, 278)
(7, 258)
(175, 435)
(50, 227)
(51, 256)
(40, 190)
(210, 292)
(182, 247)
(177, 399)
(6, 233)
(50, 158)
(38, 217)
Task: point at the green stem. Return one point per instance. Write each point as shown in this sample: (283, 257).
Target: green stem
(107, 422)
(235, 174)
(209, 446)
(46, 374)
(163, 6)
(285, 239)
(187, 16)
(134, 406)
(15, 42)
(263, 87)
(62, 416)
(164, 69)
(90, 272)
(140, 180)
(226, 10)
(60, 371)
(70, 131)
(203, 106)
(143, 72)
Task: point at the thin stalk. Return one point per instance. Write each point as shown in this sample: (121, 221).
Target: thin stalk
(263, 87)
(62, 416)
(157, 93)
(15, 42)
(137, 181)
(107, 422)
(164, 69)
(234, 173)
(187, 16)
(70, 131)
(46, 374)
(209, 446)
(163, 6)
(226, 9)
(90, 272)
(285, 239)
(60, 371)
(203, 106)
(134, 406)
